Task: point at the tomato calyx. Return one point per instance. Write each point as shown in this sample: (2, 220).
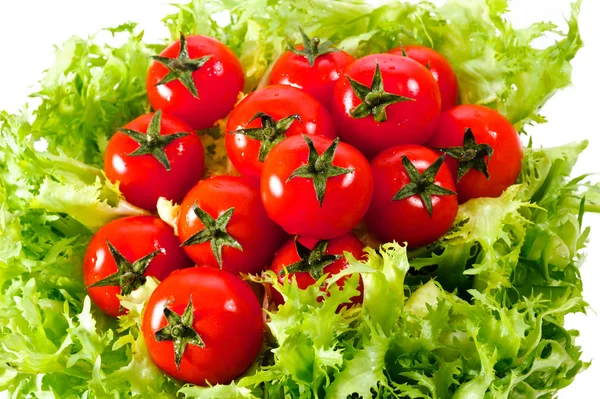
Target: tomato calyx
(311, 261)
(215, 232)
(374, 98)
(152, 142)
(180, 330)
(319, 168)
(182, 67)
(270, 134)
(422, 184)
(470, 156)
(129, 276)
(313, 48)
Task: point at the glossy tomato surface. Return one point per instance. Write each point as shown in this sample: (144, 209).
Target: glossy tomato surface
(226, 316)
(408, 122)
(277, 101)
(439, 67)
(317, 80)
(134, 237)
(258, 237)
(293, 202)
(288, 255)
(488, 127)
(407, 220)
(143, 179)
(218, 82)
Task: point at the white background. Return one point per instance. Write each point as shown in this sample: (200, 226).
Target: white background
(29, 29)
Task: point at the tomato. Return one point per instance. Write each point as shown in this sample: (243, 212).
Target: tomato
(155, 155)
(316, 187)
(200, 84)
(439, 67)
(385, 101)
(123, 252)
(314, 67)
(308, 259)
(479, 141)
(266, 117)
(203, 326)
(223, 224)
(414, 199)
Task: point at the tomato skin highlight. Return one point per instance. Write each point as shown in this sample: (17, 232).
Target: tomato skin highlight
(489, 127)
(439, 67)
(408, 122)
(249, 225)
(407, 220)
(219, 81)
(317, 80)
(143, 179)
(278, 101)
(134, 237)
(287, 255)
(293, 204)
(227, 316)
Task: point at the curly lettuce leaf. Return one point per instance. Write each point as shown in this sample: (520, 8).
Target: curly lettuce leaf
(55, 183)
(92, 88)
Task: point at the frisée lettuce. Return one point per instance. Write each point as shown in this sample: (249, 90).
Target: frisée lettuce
(478, 314)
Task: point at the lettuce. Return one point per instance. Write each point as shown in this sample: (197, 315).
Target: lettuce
(478, 314)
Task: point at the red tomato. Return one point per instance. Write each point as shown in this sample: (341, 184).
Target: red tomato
(214, 323)
(291, 112)
(316, 187)
(142, 246)
(406, 178)
(155, 155)
(222, 223)
(199, 85)
(314, 67)
(386, 100)
(439, 67)
(307, 265)
(490, 133)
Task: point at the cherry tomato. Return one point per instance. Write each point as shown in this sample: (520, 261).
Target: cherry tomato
(223, 224)
(200, 84)
(479, 141)
(155, 155)
(314, 67)
(123, 252)
(266, 117)
(203, 326)
(307, 259)
(386, 100)
(414, 199)
(316, 187)
(439, 67)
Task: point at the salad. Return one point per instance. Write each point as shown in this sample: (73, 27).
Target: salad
(322, 199)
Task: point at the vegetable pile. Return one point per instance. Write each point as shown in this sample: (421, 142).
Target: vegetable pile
(299, 213)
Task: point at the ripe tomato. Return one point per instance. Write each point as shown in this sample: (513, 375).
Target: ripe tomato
(414, 199)
(200, 84)
(439, 67)
(223, 224)
(316, 187)
(386, 100)
(266, 117)
(479, 141)
(155, 155)
(314, 67)
(203, 325)
(307, 259)
(123, 252)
